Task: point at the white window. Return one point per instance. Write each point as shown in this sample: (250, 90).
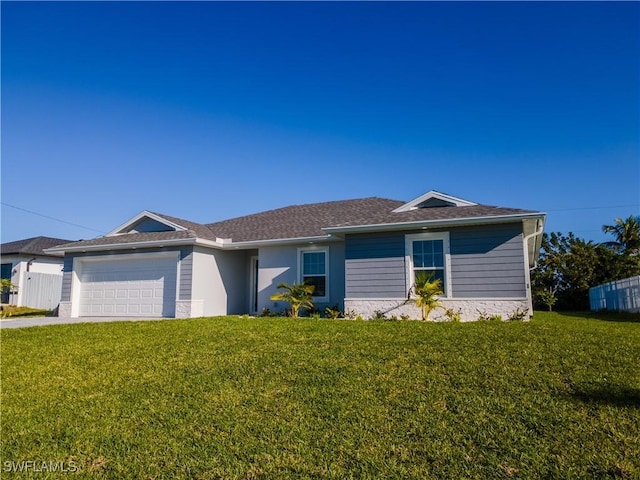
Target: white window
(429, 252)
(313, 269)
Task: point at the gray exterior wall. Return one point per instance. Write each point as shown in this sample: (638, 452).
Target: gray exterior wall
(67, 275)
(374, 266)
(184, 282)
(279, 264)
(236, 272)
(149, 225)
(486, 262)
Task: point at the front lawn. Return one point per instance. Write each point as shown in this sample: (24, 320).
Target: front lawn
(273, 398)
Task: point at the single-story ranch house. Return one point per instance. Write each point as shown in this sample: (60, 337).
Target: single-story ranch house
(360, 254)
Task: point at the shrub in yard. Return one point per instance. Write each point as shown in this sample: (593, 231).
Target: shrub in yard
(518, 315)
(453, 315)
(297, 295)
(426, 290)
(333, 312)
(378, 315)
(485, 317)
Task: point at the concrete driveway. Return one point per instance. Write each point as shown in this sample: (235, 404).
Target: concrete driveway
(42, 321)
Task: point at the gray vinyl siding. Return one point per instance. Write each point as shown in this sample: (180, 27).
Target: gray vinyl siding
(487, 262)
(374, 266)
(185, 282)
(150, 225)
(67, 276)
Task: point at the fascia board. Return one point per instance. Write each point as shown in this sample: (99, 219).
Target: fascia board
(433, 223)
(141, 215)
(195, 241)
(278, 241)
(125, 246)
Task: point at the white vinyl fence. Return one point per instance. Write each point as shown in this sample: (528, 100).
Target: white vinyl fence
(621, 295)
(40, 290)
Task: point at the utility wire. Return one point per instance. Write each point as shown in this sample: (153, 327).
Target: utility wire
(588, 208)
(52, 218)
(103, 232)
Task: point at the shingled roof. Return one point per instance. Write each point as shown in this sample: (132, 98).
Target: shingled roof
(300, 221)
(32, 246)
(308, 221)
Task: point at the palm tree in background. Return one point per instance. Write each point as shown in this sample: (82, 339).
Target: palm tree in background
(626, 233)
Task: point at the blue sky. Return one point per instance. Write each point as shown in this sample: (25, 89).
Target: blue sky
(211, 110)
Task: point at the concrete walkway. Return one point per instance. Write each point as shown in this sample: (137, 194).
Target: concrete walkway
(42, 321)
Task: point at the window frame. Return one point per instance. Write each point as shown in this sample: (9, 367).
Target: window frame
(410, 269)
(301, 275)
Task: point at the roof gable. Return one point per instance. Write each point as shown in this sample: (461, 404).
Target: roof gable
(433, 199)
(146, 222)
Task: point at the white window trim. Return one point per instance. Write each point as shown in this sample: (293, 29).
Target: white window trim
(312, 249)
(444, 236)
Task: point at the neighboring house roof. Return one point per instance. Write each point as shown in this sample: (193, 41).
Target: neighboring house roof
(310, 221)
(32, 246)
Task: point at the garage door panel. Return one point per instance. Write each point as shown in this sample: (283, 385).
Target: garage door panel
(141, 287)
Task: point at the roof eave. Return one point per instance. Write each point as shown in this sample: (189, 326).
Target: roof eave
(128, 245)
(278, 241)
(452, 222)
(222, 244)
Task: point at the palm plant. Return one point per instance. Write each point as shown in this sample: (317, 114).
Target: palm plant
(297, 295)
(426, 290)
(626, 233)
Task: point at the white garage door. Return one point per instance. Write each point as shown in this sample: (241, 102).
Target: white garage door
(128, 288)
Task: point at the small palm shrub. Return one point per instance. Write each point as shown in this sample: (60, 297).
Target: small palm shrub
(333, 312)
(297, 295)
(426, 290)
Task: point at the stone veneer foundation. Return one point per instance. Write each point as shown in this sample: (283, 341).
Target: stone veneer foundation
(64, 309)
(189, 308)
(469, 309)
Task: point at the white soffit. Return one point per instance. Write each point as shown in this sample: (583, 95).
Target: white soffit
(432, 194)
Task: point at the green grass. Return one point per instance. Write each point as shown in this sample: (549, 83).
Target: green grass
(273, 398)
